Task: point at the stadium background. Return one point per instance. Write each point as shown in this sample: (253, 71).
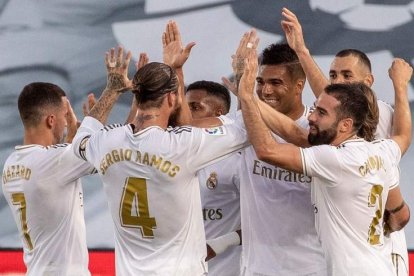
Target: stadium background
(64, 41)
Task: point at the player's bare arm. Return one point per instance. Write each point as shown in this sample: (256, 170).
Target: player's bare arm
(294, 36)
(267, 149)
(117, 83)
(283, 126)
(400, 73)
(397, 212)
(175, 55)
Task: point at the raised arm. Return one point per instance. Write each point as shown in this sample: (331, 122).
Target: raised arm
(400, 73)
(117, 83)
(267, 149)
(294, 37)
(283, 126)
(175, 55)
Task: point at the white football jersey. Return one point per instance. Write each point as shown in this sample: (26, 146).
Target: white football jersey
(349, 191)
(220, 199)
(44, 192)
(150, 181)
(386, 114)
(278, 226)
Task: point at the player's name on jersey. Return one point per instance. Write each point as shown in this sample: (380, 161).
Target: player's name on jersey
(16, 172)
(372, 165)
(144, 158)
(273, 172)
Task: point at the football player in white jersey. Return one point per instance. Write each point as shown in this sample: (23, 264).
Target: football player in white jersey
(351, 177)
(41, 183)
(219, 184)
(149, 171)
(349, 65)
(272, 242)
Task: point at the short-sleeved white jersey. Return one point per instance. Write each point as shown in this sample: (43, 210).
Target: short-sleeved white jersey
(44, 192)
(349, 191)
(278, 226)
(220, 199)
(386, 114)
(153, 192)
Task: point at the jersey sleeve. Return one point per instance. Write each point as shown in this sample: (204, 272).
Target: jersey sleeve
(208, 145)
(74, 167)
(386, 114)
(81, 144)
(321, 161)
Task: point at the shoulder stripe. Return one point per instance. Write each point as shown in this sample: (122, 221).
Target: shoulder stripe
(112, 126)
(56, 146)
(178, 130)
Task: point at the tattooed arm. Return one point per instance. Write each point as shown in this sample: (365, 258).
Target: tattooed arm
(117, 83)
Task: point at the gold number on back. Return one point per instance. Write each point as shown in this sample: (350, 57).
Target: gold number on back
(19, 199)
(134, 211)
(374, 196)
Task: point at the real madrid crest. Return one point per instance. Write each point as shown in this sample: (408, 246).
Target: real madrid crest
(211, 182)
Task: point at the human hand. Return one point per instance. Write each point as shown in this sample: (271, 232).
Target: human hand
(400, 72)
(174, 54)
(232, 87)
(248, 41)
(247, 81)
(143, 60)
(87, 105)
(293, 31)
(72, 123)
(117, 70)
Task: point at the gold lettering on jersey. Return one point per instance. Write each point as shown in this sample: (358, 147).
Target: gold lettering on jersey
(372, 165)
(16, 172)
(261, 169)
(144, 158)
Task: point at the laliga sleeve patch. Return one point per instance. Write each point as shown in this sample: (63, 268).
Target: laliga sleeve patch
(216, 131)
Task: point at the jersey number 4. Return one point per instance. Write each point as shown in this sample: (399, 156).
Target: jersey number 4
(19, 199)
(134, 211)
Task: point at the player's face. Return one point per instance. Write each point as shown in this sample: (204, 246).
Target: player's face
(347, 70)
(201, 105)
(323, 121)
(60, 123)
(276, 88)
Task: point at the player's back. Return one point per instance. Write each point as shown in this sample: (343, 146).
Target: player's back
(154, 197)
(42, 187)
(349, 196)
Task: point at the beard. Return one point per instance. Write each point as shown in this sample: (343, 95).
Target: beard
(322, 137)
(173, 119)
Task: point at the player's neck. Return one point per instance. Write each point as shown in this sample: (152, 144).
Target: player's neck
(344, 137)
(296, 112)
(148, 118)
(37, 137)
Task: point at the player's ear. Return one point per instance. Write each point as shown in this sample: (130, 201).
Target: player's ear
(346, 125)
(50, 120)
(219, 112)
(369, 80)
